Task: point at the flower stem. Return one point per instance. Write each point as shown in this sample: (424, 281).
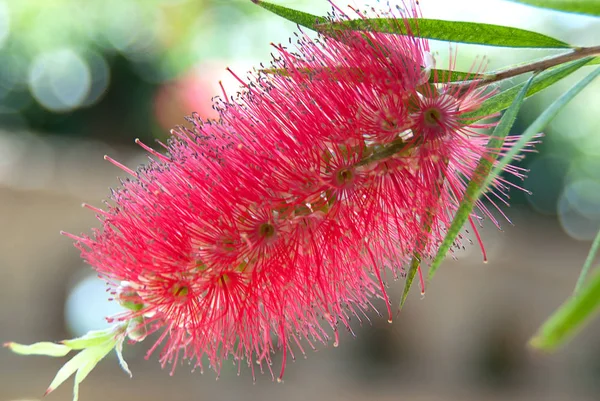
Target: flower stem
(384, 153)
(536, 66)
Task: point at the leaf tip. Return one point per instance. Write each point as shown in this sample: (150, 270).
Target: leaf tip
(48, 391)
(402, 302)
(538, 343)
(403, 299)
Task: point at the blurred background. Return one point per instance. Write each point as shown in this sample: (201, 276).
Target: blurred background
(81, 79)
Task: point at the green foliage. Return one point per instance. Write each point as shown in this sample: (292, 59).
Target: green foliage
(590, 7)
(573, 314)
(453, 31)
(569, 318)
(437, 75)
(81, 364)
(456, 31)
(90, 339)
(93, 347)
(540, 123)
(299, 17)
(415, 264)
(476, 184)
(588, 263)
(595, 60)
(452, 76)
(41, 348)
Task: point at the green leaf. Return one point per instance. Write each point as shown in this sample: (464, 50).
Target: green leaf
(122, 362)
(415, 263)
(573, 314)
(452, 76)
(476, 185)
(588, 263)
(539, 124)
(453, 31)
(301, 18)
(96, 354)
(427, 221)
(67, 370)
(595, 60)
(543, 80)
(41, 348)
(436, 75)
(569, 318)
(90, 339)
(94, 346)
(591, 7)
(82, 363)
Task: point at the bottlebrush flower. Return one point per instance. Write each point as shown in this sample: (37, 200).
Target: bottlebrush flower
(281, 221)
(199, 250)
(371, 99)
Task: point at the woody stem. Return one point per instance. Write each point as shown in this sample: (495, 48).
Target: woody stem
(536, 66)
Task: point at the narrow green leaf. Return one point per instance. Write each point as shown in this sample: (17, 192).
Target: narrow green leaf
(437, 75)
(82, 363)
(572, 315)
(476, 186)
(410, 277)
(122, 362)
(569, 318)
(543, 80)
(591, 7)
(421, 245)
(452, 76)
(453, 31)
(595, 60)
(95, 355)
(90, 339)
(539, 124)
(301, 18)
(68, 369)
(41, 348)
(588, 263)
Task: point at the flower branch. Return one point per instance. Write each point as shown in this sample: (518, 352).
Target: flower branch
(536, 66)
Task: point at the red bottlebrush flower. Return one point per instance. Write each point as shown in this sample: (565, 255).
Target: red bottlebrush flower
(221, 267)
(360, 105)
(290, 211)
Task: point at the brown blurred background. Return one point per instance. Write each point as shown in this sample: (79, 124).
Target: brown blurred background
(80, 79)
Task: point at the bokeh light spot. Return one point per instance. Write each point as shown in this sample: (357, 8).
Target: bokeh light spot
(4, 22)
(60, 80)
(546, 181)
(584, 196)
(100, 73)
(87, 306)
(579, 209)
